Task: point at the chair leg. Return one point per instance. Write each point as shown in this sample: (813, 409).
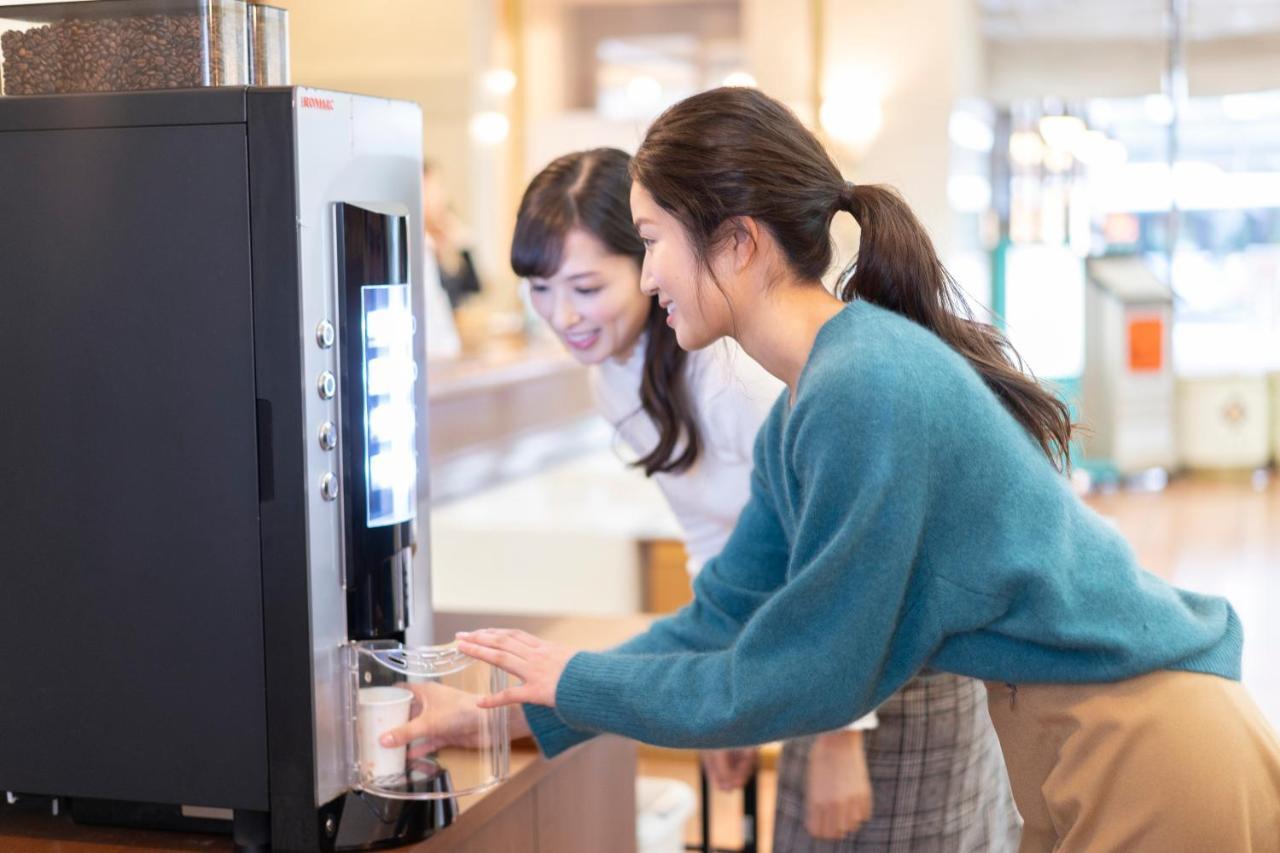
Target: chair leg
(751, 812)
(706, 807)
(750, 815)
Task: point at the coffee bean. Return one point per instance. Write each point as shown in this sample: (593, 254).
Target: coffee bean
(129, 53)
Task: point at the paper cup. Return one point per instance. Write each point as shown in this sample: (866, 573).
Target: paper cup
(380, 710)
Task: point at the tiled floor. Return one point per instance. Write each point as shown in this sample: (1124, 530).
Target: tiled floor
(1214, 536)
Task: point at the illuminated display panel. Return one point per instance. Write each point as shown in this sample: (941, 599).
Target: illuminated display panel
(390, 458)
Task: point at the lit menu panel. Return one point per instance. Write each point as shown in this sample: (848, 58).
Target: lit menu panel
(390, 455)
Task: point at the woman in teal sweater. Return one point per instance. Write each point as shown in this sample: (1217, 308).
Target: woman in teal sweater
(907, 513)
(924, 772)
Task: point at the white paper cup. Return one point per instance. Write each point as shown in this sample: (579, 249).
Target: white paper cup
(380, 710)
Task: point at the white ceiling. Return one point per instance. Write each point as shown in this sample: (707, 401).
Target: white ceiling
(1128, 20)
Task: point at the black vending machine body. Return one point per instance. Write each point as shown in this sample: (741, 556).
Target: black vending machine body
(175, 561)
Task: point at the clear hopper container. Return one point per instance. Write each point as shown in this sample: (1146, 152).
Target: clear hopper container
(269, 45)
(132, 45)
(461, 749)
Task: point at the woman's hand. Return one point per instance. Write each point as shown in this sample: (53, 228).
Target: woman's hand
(729, 769)
(537, 663)
(838, 787)
(443, 717)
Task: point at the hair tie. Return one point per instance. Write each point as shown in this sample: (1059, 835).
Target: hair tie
(846, 195)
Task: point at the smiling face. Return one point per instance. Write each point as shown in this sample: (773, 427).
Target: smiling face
(699, 314)
(593, 302)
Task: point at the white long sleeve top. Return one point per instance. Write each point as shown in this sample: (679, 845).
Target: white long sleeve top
(731, 396)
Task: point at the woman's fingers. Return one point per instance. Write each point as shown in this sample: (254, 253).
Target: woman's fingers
(499, 638)
(817, 822)
(503, 660)
(833, 821)
(526, 638)
(402, 734)
(424, 748)
(537, 664)
(506, 638)
(861, 811)
(510, 696)
(836, 820)
(851, 818)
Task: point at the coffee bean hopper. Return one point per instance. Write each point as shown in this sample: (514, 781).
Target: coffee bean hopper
(212, 531)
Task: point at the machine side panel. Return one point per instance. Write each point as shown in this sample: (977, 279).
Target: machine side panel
(130, 583)
(366, 151)
(295, 822)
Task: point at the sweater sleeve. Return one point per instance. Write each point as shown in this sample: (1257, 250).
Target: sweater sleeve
(728, 590)
(814, 655)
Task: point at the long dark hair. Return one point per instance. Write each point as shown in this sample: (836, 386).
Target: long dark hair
(592, 190)
(735, 152)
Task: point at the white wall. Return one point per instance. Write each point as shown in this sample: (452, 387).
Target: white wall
(922, 55)
(431, 52)
(1129, 67)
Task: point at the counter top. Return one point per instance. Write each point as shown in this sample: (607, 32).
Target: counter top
(472, 374)
(595, 494)
(499, 415)
(568, 539)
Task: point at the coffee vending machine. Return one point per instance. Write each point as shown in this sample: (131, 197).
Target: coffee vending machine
(210, 326)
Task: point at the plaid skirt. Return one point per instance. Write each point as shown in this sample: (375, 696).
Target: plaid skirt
(938, 780)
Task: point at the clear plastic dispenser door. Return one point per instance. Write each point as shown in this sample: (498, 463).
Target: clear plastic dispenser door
(458, 749)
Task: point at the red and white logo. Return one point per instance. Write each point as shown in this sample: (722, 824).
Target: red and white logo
(310, 102)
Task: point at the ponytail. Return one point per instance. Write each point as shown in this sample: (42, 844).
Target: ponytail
(735, 151)
(897, 268)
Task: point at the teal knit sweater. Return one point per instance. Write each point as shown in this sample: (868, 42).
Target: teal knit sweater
(900, 518)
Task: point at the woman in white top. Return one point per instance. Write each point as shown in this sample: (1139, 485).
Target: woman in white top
(928, 774)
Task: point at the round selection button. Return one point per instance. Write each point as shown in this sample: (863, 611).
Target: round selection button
(324, 334)
(327, 385)
(329, 486)
(328, 436)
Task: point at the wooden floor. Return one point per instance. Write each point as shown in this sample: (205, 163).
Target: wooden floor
(1218, 536)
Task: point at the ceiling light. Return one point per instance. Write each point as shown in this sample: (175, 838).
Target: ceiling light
(969, 131)
(1061, 133)
(489, 127)
(498, 81)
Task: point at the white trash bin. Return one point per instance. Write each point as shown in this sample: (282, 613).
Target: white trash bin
(1275, 418)
(663, 807)
(1223, 422)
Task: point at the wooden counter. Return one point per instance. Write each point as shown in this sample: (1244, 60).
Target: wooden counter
(503, 415)
(580, 802)
(495, 369)
(485, 401)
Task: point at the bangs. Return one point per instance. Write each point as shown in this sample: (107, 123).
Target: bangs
(587, 189)
(537, 246)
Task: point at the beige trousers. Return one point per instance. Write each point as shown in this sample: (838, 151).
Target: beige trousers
(1162, 763)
